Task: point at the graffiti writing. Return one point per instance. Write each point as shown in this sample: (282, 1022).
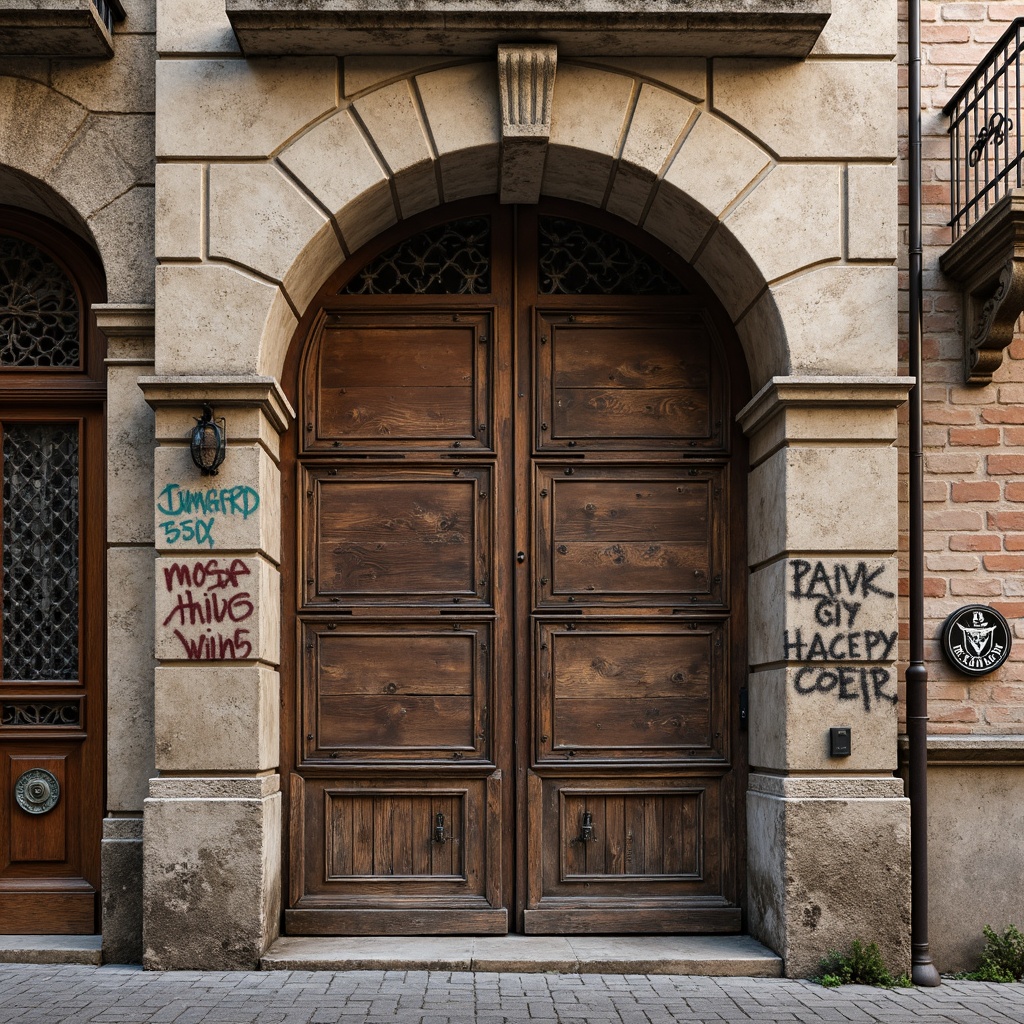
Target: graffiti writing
(205, 603)
(190, 516)
(866, 683)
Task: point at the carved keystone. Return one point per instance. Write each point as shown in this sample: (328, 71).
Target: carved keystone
(526, 84)
(988, 263)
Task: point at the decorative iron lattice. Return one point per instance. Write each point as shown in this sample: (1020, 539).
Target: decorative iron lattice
(577, 259)
(40, 551)
(39, 314)
(36, 713)
(452, 259)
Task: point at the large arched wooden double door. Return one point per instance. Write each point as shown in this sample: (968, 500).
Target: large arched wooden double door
(517, 578)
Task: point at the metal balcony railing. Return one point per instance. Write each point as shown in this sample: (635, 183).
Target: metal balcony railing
(985, 132)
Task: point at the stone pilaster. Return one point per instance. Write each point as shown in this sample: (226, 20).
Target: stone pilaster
(212, 864)
(130, 553)
(828, 834)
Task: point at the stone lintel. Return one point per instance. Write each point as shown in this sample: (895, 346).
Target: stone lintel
(189, 392)
(987, 751)
(988, 263)
(526, 85)
(55, 28)
(579, 28)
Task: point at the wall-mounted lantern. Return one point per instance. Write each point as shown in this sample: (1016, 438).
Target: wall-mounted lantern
(208, 442)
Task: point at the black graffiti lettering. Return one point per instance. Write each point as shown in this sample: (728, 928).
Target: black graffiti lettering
(847, 678)
(798, 681)
(817, 649)
(801, 567)
(879, 681)
(796, 646)
(851, 611)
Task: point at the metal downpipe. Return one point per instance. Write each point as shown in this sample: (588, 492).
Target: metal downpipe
(923, 971)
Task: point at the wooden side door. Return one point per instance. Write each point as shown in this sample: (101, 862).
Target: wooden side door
(52, 560)
(627, 626)
(399, 796)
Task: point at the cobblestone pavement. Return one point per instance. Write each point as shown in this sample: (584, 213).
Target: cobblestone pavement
(34, 994)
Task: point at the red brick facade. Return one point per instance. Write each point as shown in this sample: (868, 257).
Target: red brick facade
(973, 436)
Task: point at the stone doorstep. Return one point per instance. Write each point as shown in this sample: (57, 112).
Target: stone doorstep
(51, 949)
(705, 955)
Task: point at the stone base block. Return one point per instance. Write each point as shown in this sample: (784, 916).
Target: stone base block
(121, 867)
(828, 862)
(212, 872)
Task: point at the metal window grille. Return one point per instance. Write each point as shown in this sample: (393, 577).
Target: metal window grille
(985, 132)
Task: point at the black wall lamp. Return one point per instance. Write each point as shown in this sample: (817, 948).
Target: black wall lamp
(208, 442)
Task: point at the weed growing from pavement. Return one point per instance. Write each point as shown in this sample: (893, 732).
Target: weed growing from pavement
(863, 965)
(1002, 959)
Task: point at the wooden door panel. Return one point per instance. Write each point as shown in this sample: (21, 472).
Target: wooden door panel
(648, 856)
(48, 845)
(630, 690)
(625, 381)
(376, 853)
(396, 691)
(402, 381)
(398, 536)
(630, 535)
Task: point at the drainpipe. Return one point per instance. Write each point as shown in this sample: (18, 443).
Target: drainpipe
(923, 971)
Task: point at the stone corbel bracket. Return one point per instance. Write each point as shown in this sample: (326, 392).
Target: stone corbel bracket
(526, 85)
(988, 263)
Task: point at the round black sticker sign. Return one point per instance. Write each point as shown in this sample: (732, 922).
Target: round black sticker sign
(976, 639)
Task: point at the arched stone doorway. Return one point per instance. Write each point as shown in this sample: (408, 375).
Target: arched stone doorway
(516, 572)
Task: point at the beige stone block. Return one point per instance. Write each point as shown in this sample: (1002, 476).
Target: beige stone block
(823, 872)
(334, 161)
(130, 445)
(975, 820)
(235, 731)
(218, 608)
(179, 211)
(236, 108)
(872, 210)
(123, 85)
(857, 304)
(715, 164)
(816, 610)
(195, 26)
(212, 318)
(861, 27)
(658, 120)
(130, 666)
(792, 219)
(822, 499)
(360, 74)
(792, 709)
(687, 75)
(587, 117)
(211, 879)
(392, 117)
(822, 109)
(464, 118)
(237, 510)
(107, 156)
(124, 235)
(259, 219)
(35, 125)
(841, 423)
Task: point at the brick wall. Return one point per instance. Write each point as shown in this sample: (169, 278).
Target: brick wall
(973, 437)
